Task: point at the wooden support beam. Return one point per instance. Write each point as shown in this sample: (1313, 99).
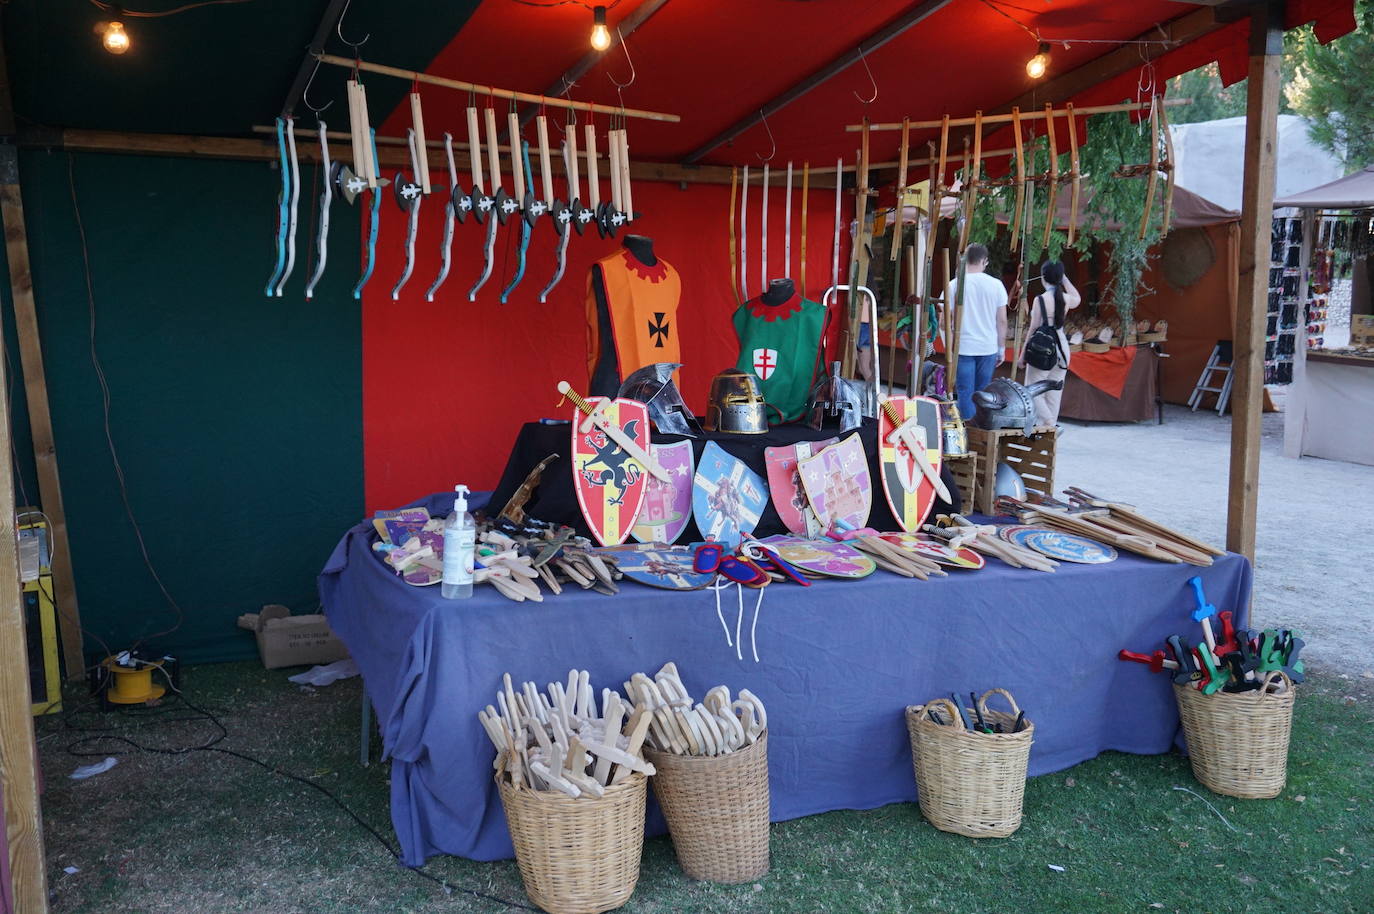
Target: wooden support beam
(623, 29)
(912, 17)
(993, 120)
(389, 153)
(1257, 214)
(36, 390)
(18, 752)
(476, 89)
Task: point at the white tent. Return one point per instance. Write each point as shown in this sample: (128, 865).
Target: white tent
(1208, 159)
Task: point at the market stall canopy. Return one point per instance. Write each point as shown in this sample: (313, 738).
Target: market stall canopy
(223, 69)
(1351, 192)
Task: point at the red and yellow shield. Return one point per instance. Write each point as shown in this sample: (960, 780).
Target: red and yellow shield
(609, 482)
(909, 493)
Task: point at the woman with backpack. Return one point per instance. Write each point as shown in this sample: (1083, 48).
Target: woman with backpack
(1046, 351)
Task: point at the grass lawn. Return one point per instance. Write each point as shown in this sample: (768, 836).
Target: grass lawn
(207, 832)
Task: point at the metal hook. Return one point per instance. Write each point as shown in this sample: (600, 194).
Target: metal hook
(863, 59)
(764, 117)
(633, 74)
(338, 30)
(305, 93)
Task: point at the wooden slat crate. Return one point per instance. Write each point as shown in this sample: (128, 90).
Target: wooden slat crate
(964, 469)
(1030, 455)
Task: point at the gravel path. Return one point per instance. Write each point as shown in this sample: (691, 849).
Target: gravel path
(1316, 518)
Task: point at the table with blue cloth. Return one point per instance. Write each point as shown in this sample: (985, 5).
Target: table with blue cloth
(838, 664)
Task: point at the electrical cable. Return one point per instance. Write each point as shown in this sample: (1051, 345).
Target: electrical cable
(81, 748)
(591, 6)
(158, 14)
(105, 406)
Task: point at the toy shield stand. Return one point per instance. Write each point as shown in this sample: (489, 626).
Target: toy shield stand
(610, 484)
(909, 493)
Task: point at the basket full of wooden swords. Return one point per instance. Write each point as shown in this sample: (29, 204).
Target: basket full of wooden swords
(711, 775)
(573, 783)
(970, 763)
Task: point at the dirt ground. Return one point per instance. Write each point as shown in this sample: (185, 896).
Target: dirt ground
(1316, 517)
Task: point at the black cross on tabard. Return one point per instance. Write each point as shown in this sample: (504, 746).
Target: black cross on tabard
(658, 328)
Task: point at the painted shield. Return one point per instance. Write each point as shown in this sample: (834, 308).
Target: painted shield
(1064, 547)
(667, 505)
(728, 498)
(837, 483)
(668, 567)
(909, 493)
(832, 559)
(610, 483)
(936, 549)
(785, 485)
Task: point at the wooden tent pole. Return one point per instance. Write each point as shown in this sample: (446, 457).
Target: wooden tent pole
(1257, 213)
(36, 390)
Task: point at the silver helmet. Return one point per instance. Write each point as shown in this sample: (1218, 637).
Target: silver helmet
(834, 397)
(653, 386)
(1006, 404)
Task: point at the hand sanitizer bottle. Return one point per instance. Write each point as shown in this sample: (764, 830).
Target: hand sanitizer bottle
(460, 541)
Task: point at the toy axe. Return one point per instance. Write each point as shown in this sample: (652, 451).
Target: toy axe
(408, 193)
(488, 205)
(535, 206)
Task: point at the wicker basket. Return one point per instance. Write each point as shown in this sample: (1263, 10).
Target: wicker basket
(1238, 741)
(577, 856)
(717, 811)
(970, 783)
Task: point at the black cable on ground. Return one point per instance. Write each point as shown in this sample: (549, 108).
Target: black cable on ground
(81, 749)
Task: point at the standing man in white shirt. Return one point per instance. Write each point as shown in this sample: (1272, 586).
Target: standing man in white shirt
(982, 327)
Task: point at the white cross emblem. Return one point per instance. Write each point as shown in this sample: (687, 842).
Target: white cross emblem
(765, 360)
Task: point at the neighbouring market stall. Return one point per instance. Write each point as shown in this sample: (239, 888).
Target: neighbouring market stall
(1329, 385)
(515, 237)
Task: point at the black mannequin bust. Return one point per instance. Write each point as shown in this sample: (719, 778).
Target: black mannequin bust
(778, 291)
(642, 247)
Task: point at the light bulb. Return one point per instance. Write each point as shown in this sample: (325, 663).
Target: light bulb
(601, 36)
(1040, 63)
(115, 39)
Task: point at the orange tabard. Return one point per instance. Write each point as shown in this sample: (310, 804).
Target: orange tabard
(642, 301)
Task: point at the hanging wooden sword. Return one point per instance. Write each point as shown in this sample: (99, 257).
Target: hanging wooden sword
(1075, 176)
(408, 196)
(763, 235)
(549, 204)
(586, 215)
(806, 194)
(734, 240)
(326, 196)
(522, 168)
(450, 214)
(490, 203)
(1052, 176)
(283, 197)
(1152, 179)
(563, 215)
(1015, 230)
(373, 220)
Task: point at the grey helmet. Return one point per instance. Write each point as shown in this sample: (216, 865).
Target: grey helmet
(1006, 404)
(736, 404)
(653, 386)
(834, 397)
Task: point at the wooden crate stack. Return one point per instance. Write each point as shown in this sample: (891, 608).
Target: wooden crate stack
(1030, 455)
(964, 469)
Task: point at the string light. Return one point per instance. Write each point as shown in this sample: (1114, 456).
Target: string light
(114, 37)
(601, 36)
(1037, 66)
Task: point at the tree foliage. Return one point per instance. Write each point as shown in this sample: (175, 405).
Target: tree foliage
(1333, 87)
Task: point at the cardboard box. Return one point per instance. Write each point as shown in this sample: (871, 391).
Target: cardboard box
(287, 640)
(1362, 331)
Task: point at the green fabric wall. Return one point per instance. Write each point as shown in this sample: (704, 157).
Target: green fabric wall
(237, 418)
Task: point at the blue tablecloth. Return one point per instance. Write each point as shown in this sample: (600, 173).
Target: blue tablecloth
(839, 662)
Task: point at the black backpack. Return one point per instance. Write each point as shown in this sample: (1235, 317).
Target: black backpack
(1043, 350)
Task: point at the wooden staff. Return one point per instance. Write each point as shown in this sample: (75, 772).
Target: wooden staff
(1154, 168)
(744, 238)
(627, 190)
(1020, 180)
(901, 194)
(913, 304)
(475, 150)
(806, 193)
(763, 235)
(734, 253)
(927, 264)
(1053, 178)
(859, 260)
(417, 122)
(894, 256)
(787, 226)
(1168, 167)
(1075, 179)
